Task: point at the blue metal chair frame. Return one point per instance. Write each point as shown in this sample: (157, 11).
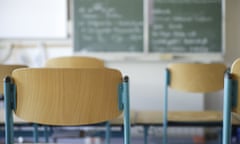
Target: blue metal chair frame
(167, 77)
(165, 108)
(230, 96)
(36, 133)
(107, 133)
(10, 104)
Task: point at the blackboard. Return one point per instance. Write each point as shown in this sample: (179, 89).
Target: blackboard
(193, 26)
(173, 26)
(108, 25)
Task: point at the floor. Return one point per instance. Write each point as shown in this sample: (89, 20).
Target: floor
(76, 136)
(137, 141)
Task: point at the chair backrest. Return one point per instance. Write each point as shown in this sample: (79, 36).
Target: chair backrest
(235, 71)
(231, 99)
(6, 70)
(75, 61)
(196, 77)
(61, 96)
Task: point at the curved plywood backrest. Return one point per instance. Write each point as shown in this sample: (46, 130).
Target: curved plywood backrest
(197, 77)
(235, 70)
(67, 96)
(6, 70)
(75, 61)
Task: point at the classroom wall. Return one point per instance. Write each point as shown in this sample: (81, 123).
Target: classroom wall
(146, 77)
(232, 30)
(232, 46)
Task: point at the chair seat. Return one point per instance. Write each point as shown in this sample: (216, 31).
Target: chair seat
(155, 117)
(235, 119)
(15, 118)
(119, 120)
(148, 117)
(195, 116)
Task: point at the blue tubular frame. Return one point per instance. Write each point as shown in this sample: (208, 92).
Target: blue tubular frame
(35, 133)
(227, 109)
(230, 94)
(126, 106)
(9, 93)
(46, 133)
(10, 104)
(165, 108)
(145, 130)
(123, 104)
(107, 133)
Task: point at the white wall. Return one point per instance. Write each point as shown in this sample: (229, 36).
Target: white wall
(147, 85)
(232, 45)
(232, 30)
(146, 78)
(31, 19)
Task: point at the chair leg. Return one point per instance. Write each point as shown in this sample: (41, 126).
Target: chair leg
(227, 110)
(127, 132)
(220, 136)
(35, 133)
(46, 134)
(165, 108)
(145, 127)
(165, 126)
(107, 133)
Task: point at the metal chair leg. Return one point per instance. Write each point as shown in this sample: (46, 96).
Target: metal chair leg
(227, 109)
(145, 127)
(107, 133)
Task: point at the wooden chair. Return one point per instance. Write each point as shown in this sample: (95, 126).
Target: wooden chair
(231, 99)
(194, 78)
(87, 62)
(63, 96)
(75, 61)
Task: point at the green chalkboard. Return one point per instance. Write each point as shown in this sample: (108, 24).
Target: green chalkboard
(171, 26)
(193, 26)
(108, 25)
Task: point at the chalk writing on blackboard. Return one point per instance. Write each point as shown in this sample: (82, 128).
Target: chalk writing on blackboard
(193, 26)
(185, 26)
(108, 26)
